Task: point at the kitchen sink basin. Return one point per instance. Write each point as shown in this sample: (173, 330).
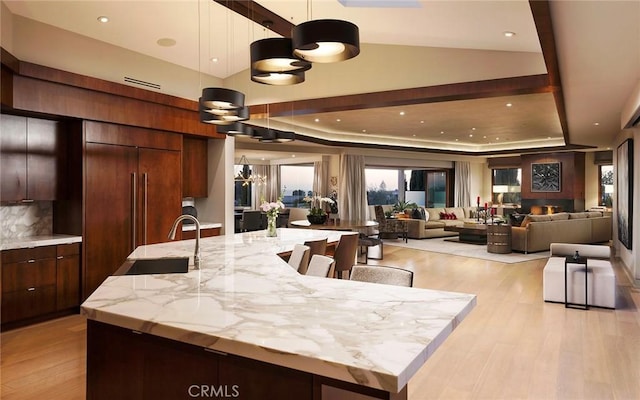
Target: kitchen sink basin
(159, 266)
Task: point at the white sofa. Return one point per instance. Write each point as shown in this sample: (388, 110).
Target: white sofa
(601, 280)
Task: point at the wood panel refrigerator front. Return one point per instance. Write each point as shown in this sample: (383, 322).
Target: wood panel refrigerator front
(132, 194)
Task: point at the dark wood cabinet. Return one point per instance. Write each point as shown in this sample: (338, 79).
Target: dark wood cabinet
(195, 168)
(28, 283)
(32, 161)
(208, 232)
(38, 282)
(132, 195)
(126, 364)
(67, 276)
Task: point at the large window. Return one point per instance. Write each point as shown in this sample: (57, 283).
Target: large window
(506, 186)
(605, 187)
(382, 185)
(296, 182)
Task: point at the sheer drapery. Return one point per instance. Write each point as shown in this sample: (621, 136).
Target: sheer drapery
(320, 178)
(273, 183)
(462, 183)
(352, 197)
(261, 190)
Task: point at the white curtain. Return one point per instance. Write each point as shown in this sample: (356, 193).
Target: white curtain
(260, 190)
(321, 178)
(462, 183)
(352, 196)
(273, 183)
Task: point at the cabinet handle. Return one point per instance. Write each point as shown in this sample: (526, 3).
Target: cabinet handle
(60, 257)
(136, 332)
(146, 185)
(27, 201)
(134, 203)
(31, 261)
(31, 289)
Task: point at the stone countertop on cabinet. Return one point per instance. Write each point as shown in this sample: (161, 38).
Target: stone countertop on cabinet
(245, 300)
(203, 225)
(37, 241)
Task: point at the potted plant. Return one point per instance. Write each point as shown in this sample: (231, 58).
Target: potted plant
(401, 207)
(317, 214)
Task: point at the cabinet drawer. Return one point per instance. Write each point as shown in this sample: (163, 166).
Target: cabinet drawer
(68, 249)
(27, 304)
(23, 276)
(23, 255)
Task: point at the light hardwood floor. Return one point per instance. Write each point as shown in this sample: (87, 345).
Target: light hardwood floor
(511, 346)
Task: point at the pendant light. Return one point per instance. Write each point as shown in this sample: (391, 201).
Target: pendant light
(236, 129)
(218, 116)
(273, 63)
(326, 40)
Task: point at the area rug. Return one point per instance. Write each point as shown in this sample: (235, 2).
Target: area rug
(439, 245)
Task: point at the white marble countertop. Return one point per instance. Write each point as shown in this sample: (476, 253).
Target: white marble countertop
(36, 241)
(246, 300)
(203, 225)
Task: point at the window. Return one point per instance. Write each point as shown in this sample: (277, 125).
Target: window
(296, 182)
(506, 183)
(437, 186)
(242, 193)
(605, 184)
(382, 185)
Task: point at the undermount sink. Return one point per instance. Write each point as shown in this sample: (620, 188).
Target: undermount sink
(159, 266)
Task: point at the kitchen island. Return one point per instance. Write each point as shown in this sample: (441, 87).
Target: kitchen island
(266, 326)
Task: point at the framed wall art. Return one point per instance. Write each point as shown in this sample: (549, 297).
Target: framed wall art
(624, 186)
(545, 177)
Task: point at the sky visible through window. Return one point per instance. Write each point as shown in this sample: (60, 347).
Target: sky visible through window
(376, 176)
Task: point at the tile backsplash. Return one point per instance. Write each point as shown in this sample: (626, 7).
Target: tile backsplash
(22, 220)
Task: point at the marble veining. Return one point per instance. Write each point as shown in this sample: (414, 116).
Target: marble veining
(26, 219)
(246, 300)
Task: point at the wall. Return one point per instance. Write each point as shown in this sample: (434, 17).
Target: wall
(591, 198)
(572, 181)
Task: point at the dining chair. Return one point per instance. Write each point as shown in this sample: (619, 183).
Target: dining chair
(320, 266)
(345, 254)
(251, 221)
(388, 228)
(365, 241)
(296, 214)
(299, 259)
(382, 274)
(317, 247)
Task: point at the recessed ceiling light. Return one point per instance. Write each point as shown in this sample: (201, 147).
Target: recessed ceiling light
(596, 123)
(103, 18)
(508, 34)
(442, 132)
(422, 122)
(471, 135)
(497, 139)
(364, 131)
(509, 104)
(484, 137)
(414, 135)
(456, 140)
(317, 120)
(401, 112)
(262, 158)
(214, 59)
(338, 120)
(166, 42)
(473, 129)
(293, 155)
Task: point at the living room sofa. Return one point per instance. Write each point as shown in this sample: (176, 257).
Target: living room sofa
(432, 225)
(537, 232)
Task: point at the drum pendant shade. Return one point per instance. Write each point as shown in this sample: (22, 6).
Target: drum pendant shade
(326, 40)
(221, 98)
(273, 62)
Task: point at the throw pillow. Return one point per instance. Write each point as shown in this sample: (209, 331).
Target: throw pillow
(415, 214)
(426, 216)
(443, 215)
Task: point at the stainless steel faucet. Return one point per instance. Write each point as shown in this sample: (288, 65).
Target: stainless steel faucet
(172, 235)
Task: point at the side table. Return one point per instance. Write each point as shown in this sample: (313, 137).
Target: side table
(499, 238)
(582, 262)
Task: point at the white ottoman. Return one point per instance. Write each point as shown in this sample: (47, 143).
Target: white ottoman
(601, 282)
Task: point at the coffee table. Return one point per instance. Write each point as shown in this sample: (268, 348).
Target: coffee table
(474, 234)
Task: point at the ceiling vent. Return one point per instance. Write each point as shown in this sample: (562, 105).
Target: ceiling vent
(142, 83)
(630, 115)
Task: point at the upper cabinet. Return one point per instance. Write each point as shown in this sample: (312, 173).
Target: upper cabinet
(194, 167)
(32, 160)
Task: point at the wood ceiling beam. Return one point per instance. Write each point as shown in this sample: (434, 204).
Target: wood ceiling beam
(421, 95)
(542, 19)
(260, 15)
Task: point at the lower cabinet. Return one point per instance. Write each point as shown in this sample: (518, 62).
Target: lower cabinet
(125, 364)
(38, 282)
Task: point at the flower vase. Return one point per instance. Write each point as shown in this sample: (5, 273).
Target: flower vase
(271, 226)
